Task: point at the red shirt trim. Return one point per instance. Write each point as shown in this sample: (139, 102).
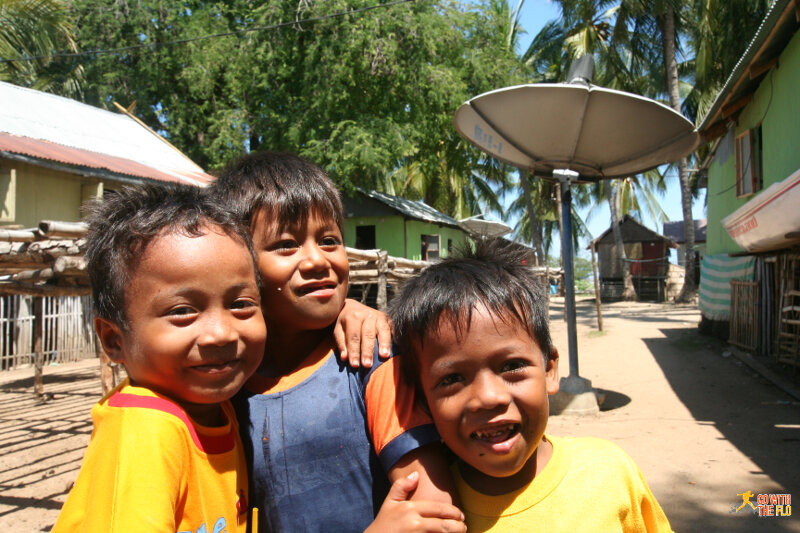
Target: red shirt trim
(205, 443)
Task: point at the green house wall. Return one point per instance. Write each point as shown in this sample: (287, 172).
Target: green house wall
(776, 106)
(402, 237)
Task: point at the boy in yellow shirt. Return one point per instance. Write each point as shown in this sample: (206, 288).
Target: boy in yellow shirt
(473, 332)
(177, 301)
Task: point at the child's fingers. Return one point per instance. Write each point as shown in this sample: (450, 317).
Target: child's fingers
(438, 510)
(437, 525)
(402, 488)
(384, 328)
(341, 343)
(354, 347)
(368, 334)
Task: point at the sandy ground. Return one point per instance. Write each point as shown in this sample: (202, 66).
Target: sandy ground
(702, 426)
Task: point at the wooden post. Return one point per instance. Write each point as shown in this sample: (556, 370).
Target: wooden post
(38, 346)
(597, 291)
(382, 264)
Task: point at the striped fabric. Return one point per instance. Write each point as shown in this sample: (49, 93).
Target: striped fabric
(715, 283)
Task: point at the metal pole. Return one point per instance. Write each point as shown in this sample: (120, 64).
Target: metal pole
(575, 395)
(569, 277)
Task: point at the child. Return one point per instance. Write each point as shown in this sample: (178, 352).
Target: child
(177, 301)
(474, 333)
(323, 436)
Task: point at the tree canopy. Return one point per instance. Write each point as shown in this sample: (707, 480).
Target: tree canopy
(360, 92)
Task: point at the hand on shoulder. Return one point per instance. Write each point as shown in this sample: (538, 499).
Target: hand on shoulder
(356, 329)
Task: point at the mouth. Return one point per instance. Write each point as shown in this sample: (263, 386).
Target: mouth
(320, 290)
(499, 438)
(215, 368)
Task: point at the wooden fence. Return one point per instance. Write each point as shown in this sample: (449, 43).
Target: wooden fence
(377, 267)
(67, 333)
(744, 322)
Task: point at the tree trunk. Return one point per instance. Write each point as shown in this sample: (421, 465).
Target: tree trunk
(666, 23)
(536, 233)
(628, 290)
(597, 290)
(560, 226)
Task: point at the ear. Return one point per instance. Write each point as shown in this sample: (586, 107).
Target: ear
(110, 336)
(551, 373)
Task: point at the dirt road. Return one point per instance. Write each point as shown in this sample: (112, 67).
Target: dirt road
(702, 426)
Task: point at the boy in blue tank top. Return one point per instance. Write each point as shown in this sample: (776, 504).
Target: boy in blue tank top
(324, 440)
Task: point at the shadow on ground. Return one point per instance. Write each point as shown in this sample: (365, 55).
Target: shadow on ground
(752, 414)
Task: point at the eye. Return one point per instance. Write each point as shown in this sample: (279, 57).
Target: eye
(180, 311)
(515, 365)
(244, 304)
(450, 380)
(284, 245)
(330, 240)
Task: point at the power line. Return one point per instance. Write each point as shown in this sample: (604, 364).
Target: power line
(279, 25)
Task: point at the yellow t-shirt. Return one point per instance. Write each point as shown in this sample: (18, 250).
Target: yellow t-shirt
(589, 485)
(150, 468)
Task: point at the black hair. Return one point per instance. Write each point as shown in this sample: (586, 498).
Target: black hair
(494, 274)
(289, 188)
(124, 222)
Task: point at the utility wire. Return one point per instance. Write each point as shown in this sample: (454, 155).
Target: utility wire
(205, 37)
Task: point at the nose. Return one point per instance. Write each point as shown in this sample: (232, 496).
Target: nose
(489, 391)
(314, 258)
(218, 330)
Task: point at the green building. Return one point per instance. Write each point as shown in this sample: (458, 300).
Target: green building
(749, 271)
(404, 228)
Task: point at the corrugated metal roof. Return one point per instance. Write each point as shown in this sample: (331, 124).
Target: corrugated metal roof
(84, 158)
(51, 127)
(413, 208)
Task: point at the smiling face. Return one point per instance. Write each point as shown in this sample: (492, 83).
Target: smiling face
(487, 392)
(304, 270)
(195, 329)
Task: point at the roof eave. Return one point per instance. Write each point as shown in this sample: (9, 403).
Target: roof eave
(81, 170)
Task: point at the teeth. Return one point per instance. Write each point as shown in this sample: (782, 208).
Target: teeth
(495, 433)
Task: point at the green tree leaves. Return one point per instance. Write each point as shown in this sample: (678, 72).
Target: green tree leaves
(361, 93)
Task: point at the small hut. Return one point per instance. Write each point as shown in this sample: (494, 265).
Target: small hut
(647, 259)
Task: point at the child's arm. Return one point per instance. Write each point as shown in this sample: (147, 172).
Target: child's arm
(399, 514)
(355, 331)
(435, 480)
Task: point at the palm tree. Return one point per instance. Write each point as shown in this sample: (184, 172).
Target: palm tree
(453, 191)
(30, 32)
(717, 52)
(652, 31)
(666, 23)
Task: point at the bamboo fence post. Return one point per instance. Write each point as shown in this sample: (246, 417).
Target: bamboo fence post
(597, 292)
(382, 263)
(38, 346)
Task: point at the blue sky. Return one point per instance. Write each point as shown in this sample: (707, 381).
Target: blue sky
(535, 13)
